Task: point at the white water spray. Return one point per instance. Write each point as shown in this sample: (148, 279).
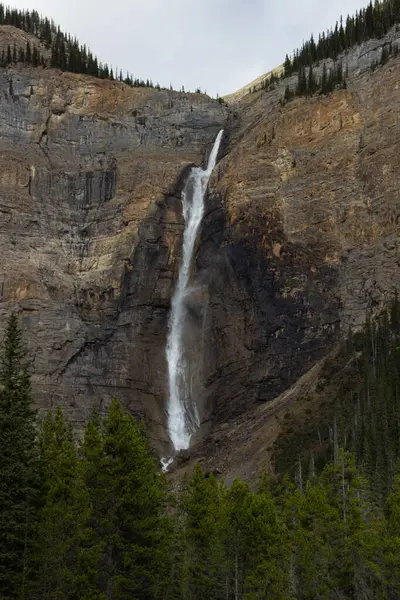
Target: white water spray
(183, 417)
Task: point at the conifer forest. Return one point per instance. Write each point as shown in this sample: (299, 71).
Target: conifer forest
(93, 516)
(62, 51)
(372, 22)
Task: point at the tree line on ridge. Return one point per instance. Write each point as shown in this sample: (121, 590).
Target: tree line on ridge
(372, 22)
(62, 51)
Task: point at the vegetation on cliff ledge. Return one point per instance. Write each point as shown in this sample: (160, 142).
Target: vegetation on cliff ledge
(94, 518)
(356, 405)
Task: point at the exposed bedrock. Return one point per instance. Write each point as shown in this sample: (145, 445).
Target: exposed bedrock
(300, 237)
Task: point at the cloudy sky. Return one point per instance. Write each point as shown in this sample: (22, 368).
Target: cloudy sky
(217, 45)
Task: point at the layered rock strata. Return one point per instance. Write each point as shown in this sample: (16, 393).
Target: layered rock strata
(300, 239)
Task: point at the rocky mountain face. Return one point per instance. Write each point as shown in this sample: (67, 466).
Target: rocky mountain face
(300, 239)
(91, 173)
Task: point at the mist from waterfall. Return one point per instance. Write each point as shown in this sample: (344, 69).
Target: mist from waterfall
(183, 416)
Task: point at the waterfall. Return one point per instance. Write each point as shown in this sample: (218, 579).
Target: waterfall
(183, 417)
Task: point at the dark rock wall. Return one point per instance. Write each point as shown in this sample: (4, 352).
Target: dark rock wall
(299, 241)
(90, 179)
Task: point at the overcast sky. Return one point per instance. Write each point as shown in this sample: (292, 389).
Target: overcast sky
(217, 45)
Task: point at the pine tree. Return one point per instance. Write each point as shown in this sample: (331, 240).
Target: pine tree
(45, 35)
(239, 500)
(174, 585)
(288, 94)
(28, 53)
(287, 66)
(62, 56)
(63, 514)
(324, 80)
(316, 531)
(268, 573)
(311, 82)
(18, 465)
(128, 498)
(357, 560)
(35, 57)
(203, 507)
(302, 82)
(392, 541)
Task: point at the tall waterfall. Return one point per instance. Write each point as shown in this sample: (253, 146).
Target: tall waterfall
(183, 417)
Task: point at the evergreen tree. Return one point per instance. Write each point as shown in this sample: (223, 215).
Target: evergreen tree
(175, 584)
(268, 573)
(203, 505)
(357, 560)
(89, 579)
(287, 66)
(18, 466)
(239, 499)
(314, 526)
(392, 541)
(324, 79)
(62, 57)
(28, 53)
(63, 514)
(302, 82)
(128, 498)
(35, 57)
(311, 82)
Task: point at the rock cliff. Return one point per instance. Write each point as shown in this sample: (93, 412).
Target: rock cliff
(300, 239)
(90, 181)
(302, 242)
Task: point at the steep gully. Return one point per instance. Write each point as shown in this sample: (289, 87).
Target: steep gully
(183, 416)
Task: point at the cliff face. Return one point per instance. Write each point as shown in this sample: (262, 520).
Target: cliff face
(302, 243)
(300, 238)
(90, 231)
(304, 235)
